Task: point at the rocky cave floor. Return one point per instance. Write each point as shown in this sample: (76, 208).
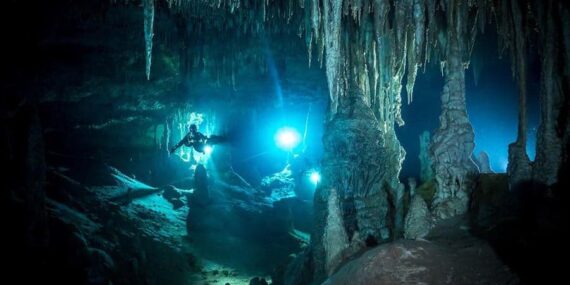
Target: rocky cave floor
(149, 235)
(450, 254)
(507, 237)
(123, 231)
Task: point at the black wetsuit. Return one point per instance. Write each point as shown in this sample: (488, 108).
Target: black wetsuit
(196, 140)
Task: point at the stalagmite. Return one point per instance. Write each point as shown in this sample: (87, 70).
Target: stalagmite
(335, 239)
(148, 6)
(399, 213)
(418, 219)
(483, 163)
(363, 157)
(412, 186)
(453, 143)
(358, 159)
(426, 171)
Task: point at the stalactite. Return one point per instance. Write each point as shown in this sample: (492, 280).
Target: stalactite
(166, 134)
(380, 9)
(412, 74)
(332, 28)
(565, 109)
(308, 30)
(403, 9)
(246, 23)
(416, 48)
(549, 139)
(356, 9)
(519, 167)
(485, 8)
(148, 6)
(431, 30)
(316, 18)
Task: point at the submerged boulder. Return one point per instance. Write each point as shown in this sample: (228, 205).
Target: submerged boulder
(258, 281)
(280, 185)
(201, 195)
(172, 195)
(491, 202)
(422, 262)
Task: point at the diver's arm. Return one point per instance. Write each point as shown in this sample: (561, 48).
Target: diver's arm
(174, 148)
(178, 145)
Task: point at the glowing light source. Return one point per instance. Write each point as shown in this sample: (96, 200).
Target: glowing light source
(315, 177)
(208, 149)
(287, 138)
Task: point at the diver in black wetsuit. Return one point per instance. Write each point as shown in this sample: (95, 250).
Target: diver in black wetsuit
(194, 139)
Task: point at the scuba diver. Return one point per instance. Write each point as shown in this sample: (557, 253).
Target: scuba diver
(199, 142)
(196, 140)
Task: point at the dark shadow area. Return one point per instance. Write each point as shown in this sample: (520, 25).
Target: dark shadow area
(527, 227)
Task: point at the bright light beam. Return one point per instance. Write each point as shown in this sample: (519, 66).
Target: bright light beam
(315, 177)
(287, 138)
(208, 149)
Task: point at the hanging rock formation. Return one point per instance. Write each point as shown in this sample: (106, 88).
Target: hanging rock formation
(516, 30)
(148, 6)
(519, 167)
(554, 108)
